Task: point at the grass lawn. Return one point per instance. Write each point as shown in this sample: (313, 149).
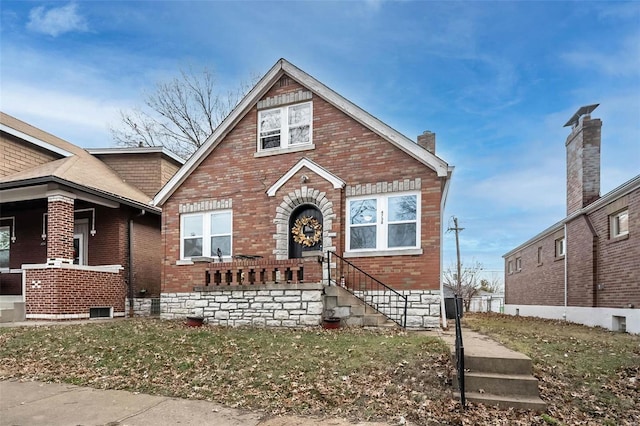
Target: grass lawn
(352, 373)
(586, 375)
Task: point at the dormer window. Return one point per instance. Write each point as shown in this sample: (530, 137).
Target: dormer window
(285, 127)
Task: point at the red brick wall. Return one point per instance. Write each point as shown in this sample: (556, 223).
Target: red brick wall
(17, 156)
(148, 172)
(60, 228)
(342, 146)
(618, 259)
(580, 255)
(72, 291)
(536, 284)
(147, 255)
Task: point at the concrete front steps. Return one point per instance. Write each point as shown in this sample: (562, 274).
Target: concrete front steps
(496, 375)
(353, 312)
(12, 311)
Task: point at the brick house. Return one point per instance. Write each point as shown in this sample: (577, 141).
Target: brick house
(585, 267)
(296, 190)
(72, 223)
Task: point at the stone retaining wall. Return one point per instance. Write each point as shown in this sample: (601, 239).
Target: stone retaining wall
(271, 305)
(423, 306)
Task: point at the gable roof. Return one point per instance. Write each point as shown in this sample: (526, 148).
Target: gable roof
(281, 68)
(77, 167)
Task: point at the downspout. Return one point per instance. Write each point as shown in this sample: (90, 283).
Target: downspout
(130, 245)
(566, 272)
(443, 202)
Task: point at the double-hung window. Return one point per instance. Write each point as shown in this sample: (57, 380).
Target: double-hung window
(203, 234)
(389, 222)
(285, 127)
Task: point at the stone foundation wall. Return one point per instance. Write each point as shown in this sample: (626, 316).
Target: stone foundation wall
(423, 306)
(277, 305)
(141, 307)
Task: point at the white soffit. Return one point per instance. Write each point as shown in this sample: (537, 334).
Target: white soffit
(320, 171)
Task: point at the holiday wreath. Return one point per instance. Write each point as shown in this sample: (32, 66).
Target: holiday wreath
(313, 228)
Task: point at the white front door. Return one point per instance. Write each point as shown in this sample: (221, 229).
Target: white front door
(80, 242)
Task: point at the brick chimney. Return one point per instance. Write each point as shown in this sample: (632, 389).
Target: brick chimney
(583, 159)
(427, 140)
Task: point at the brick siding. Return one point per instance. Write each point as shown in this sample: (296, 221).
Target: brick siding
(613, 281)
(71, 291)
(16, 156)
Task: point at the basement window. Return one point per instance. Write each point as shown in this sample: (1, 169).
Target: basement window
(101, 312)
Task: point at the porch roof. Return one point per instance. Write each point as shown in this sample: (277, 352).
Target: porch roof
(77, 169)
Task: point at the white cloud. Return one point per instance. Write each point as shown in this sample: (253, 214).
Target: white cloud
(619, 61)
(56, 21)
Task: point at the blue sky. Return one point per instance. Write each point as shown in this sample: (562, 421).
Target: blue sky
(496, 81)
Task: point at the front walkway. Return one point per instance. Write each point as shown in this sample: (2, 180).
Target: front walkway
(55, 404)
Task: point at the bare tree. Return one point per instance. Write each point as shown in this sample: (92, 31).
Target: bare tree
(180, 115)
(469, 283)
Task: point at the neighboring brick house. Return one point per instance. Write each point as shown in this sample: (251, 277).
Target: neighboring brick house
(70, 226)
(584, 268)
(294, 172)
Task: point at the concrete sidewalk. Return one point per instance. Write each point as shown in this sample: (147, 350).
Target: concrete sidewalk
(54, 404)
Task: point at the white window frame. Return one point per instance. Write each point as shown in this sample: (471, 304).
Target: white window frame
(510, 266)
(206, 233)
(560, 247)
(614, 224)
(382, 224)
(518, 264)
(284, 127)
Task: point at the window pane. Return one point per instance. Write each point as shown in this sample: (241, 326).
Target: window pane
(298, 135)
(623, 223)
(221, 223)
(363, 237)
(222, 243)
(192, 247)
(402, 208)
(269, 120)
(271, 140)
(192, 226)
(402, 235)
(363, 211)
(299, 114)
(5, 236)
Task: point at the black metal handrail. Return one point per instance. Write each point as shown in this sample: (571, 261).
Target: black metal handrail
(368, 289)
(459, 350)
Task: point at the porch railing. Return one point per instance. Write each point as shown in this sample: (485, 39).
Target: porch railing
(260, 272)
(370, 290)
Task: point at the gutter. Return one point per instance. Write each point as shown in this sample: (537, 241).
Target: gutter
(53, 179)
(443, 202)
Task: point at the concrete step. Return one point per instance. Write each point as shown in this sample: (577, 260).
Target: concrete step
(6, 315)
(505, 401)
(506, 363)
(12, 312)
(500, 384)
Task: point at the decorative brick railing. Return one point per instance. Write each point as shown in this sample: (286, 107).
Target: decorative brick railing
(261, 272)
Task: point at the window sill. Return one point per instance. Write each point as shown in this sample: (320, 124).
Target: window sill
(278, 151)
(377, 253)
(559, 258)
(540, 264)
(184, 262)
(618, 238)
